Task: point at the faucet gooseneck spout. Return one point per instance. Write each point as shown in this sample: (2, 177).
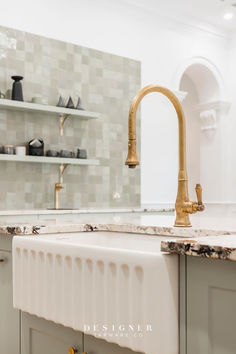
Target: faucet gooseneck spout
(183, 205)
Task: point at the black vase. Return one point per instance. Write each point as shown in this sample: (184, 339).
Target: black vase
(17, 93)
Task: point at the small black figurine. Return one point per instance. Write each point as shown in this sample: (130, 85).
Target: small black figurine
(17, 94)
(70, 103)
(79, 105)
(36, 147)
(60, 102)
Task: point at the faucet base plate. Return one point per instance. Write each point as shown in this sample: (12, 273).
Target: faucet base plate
(178, 225)
(182, 221)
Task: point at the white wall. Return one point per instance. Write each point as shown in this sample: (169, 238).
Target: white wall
(161, 45)
(193, 136)
(229, 125)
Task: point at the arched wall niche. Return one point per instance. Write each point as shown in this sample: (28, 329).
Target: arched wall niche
(198, 67)
(205, 107)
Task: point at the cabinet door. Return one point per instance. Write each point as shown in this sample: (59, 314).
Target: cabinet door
(39, 336)
(9, 318)
(94, 345)
(211, 306)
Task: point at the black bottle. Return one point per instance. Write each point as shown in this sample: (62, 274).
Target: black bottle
(17, 94)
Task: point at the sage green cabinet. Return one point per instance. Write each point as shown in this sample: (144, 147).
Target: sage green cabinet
(208, 306)
(39, 336)
(94, 345)
(9, 317)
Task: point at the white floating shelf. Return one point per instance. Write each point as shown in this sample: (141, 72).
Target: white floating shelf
(52, 110)
(51, 160)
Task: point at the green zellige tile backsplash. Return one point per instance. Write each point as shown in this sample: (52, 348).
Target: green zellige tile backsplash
(106, 84)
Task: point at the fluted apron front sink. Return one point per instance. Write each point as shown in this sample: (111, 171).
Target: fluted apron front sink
(116, 286)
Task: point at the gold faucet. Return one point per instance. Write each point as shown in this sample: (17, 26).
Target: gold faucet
(58, 187)
(183, 205)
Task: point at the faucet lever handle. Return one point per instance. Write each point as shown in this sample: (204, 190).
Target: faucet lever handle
(198, 190)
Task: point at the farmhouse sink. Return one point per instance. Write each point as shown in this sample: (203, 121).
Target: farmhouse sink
(112, 285)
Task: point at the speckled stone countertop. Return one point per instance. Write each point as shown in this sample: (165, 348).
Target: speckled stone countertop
(215, 247)
(210, 223)
(46, 228)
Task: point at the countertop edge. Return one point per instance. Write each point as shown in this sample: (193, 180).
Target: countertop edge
(195, 248)
(37, 229)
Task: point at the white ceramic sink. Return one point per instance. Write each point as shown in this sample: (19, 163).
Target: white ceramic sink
(117, 286)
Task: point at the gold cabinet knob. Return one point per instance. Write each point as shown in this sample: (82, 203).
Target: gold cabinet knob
(72, 350)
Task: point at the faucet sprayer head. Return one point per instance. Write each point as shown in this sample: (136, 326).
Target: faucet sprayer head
(132, 158)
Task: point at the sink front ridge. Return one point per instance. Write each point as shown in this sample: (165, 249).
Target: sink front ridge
(75, 280)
